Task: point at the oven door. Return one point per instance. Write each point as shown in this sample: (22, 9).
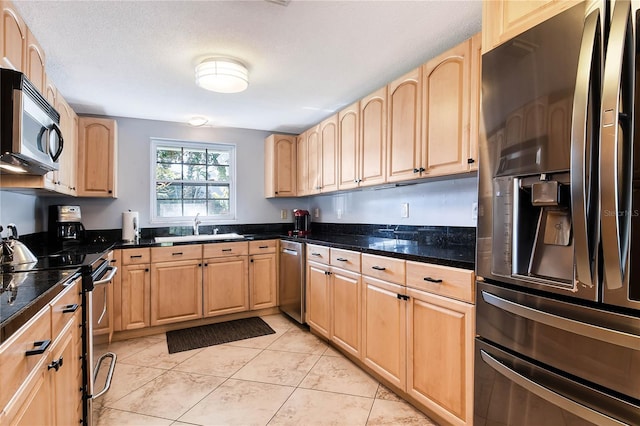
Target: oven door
(96, 317)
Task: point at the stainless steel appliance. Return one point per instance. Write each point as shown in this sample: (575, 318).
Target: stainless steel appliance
(302, 224)
(65, 224)
(558, 294)
(30, 136)
(292, 280)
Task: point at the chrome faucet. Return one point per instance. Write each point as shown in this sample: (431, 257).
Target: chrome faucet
(215, 231)
(196, 225)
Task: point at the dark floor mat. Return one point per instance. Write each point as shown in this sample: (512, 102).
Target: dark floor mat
(215, 334)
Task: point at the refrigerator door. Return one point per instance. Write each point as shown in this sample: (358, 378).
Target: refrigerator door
(595, 345)
(510, 390)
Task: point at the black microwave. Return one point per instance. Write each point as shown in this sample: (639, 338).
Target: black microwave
(30, 137)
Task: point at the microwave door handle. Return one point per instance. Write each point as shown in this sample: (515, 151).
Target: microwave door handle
(55, 128)
(588, 81)
(617, 113)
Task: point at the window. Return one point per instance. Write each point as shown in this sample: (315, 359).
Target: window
(191, 178)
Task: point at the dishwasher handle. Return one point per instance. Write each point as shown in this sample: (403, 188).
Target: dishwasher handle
(289, 251)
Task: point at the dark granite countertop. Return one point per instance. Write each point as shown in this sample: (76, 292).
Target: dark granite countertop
(25, 293)
(456, 256)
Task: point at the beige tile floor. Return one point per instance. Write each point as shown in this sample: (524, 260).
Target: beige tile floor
(287, 378)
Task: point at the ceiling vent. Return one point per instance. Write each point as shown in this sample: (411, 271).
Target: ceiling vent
(280, 2)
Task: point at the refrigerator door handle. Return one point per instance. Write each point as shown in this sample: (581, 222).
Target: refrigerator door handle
(592, 331)
(616, 124)
(548, 394)
(588, 79)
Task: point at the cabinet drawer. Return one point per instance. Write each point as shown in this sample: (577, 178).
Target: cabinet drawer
(226, 249)
(442, 280)
(169, 254)
(260, 247)
(346, 259)
(384, 268)
(16, 364)
(65, 306)
(318, 253)
(136, 256)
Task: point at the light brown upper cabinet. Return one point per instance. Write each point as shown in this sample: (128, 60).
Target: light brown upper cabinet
(475, 120)
(348, 146)
(34, 64)
(404, 112)
(97, 155)
(13, 40)
(280, 166)
(446, 112)
(503, 20)
(314, 160)
(373, 138)
(66, 176)
(329, 154)
(302, 177)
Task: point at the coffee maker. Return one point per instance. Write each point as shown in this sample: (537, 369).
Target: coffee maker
(64, 225)
(302, 225)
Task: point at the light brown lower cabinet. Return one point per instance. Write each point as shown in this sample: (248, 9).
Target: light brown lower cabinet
(225, 285)
(135, 297)
(319, 298)
(176, 291)
(346, 310)
(263, 284)
(384, 346)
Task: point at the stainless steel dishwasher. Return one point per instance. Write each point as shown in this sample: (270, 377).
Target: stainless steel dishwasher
(291, 288)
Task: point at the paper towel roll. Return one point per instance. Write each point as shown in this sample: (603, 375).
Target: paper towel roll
(129, 226)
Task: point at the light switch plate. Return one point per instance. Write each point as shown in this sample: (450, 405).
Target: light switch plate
(404, 211)
(283, 214)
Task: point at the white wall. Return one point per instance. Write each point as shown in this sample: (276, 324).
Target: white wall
(444, 203)
(134, 165)
(440, 203)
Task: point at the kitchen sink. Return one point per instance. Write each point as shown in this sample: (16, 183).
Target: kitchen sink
(189, 238)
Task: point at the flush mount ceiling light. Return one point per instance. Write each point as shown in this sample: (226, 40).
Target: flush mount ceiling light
(197, 121)
(222, 75)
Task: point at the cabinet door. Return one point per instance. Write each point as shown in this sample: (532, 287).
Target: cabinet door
(97, 144)
(37, 408)
(302, 165)
(135, 300)
(329, 153)
(65, 176)
(103, 310)
(314, 162)
(176, 291)
(280, 166)
(13, 38)
(373, 138)
(64, 378)
(404, 113)
(476, 87)
(440, 344)
(348, 147)
(446, 111)
(346, 310)
(34, 67)
(117, 291)
(226, 288)
(384, 330)
(263, 282)
(319, 298)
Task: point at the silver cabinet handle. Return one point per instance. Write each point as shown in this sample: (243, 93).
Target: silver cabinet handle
(587, 330)
(548, 394)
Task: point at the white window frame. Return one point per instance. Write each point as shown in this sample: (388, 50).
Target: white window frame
(188, 220)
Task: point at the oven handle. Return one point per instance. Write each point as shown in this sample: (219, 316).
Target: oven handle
(112, 271)
(578, 327)
(112, 367)
(548, 394)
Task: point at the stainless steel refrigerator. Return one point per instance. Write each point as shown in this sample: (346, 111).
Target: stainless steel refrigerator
(558, 250)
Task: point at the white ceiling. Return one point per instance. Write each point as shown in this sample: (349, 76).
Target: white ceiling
(306, 60)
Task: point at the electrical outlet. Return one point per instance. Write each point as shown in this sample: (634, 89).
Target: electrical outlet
(316, 213)
(474, 211)
(404, 210)
(283, 214)
(339, 213)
